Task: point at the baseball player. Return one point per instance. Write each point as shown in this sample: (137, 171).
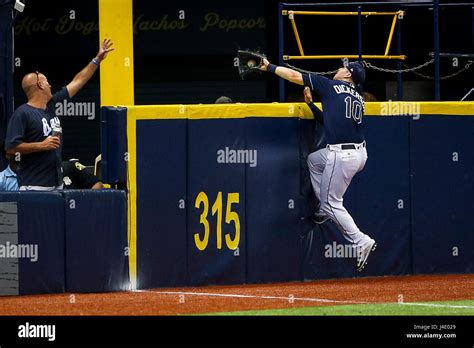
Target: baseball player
(333, 166)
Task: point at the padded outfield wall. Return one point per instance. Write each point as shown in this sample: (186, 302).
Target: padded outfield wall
(65, 241)
(198, 215)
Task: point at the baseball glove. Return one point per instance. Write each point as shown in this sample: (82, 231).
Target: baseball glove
(249, 62)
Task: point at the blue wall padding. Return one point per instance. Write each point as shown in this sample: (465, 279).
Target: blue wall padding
(273, 223)
(442, 192)
(204, 174)
(161, 185)
(96, 241)
(114, 145)
(382, 195)
(411, 198)
(373, 201)
(40, 222)
(167, 170)
(308, 202)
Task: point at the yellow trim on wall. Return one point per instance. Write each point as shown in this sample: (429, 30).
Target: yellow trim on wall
(132, 194)
(216, 111)
(393, 108)
(300, 110)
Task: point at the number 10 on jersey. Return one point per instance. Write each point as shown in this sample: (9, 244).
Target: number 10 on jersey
(202, 202)
(354, 109)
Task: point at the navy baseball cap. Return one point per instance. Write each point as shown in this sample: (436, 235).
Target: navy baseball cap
(358, 72)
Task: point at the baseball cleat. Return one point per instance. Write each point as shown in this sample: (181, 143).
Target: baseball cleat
(364, 255)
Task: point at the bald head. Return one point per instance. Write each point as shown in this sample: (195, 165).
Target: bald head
(29, 84)
(36, 85)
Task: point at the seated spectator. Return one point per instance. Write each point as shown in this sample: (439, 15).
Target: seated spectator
(8, 179)
(76, 177)
(224, 100)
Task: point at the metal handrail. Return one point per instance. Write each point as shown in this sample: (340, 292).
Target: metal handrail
(365, 3)
(435, 4)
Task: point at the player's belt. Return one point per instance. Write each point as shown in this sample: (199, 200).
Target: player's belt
(347, 146)
(352, 146)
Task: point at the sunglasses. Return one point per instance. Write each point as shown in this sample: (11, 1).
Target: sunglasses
(37, 76)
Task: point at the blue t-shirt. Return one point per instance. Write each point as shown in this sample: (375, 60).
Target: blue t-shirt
(28, 125)
(343, 109)
(8, 180)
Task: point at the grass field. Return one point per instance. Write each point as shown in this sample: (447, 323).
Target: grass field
(422, 308)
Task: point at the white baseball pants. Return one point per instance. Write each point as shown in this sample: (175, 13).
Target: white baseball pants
(331, 170)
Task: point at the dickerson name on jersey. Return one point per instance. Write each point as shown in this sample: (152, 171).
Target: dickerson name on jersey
(344, 89)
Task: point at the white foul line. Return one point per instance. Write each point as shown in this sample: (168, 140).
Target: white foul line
(434, 305)
(292, 298)
(288, 298)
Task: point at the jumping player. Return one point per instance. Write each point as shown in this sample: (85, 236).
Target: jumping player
(333, 167)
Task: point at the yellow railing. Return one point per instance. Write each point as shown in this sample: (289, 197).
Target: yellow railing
(291, 16)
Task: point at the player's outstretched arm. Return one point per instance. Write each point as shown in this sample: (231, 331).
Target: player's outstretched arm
(85, 74)
(308, 98)
(285, 73)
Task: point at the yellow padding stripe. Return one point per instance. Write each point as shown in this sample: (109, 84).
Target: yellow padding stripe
(285, 110)
(116, 72)
(419, 108)
(132, 194)
(212, 111)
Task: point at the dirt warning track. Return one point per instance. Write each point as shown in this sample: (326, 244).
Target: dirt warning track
(176, 301)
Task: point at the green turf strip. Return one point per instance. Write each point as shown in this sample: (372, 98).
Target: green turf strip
(370, 309)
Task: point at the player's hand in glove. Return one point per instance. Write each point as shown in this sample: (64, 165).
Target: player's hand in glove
(250, 62)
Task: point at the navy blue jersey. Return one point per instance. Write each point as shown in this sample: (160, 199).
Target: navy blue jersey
(29, 124)
(319, 136)
(343, 109)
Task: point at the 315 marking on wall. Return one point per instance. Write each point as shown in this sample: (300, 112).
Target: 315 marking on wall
(202, 202)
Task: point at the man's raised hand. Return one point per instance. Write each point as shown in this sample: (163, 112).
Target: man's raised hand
(105, 48)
